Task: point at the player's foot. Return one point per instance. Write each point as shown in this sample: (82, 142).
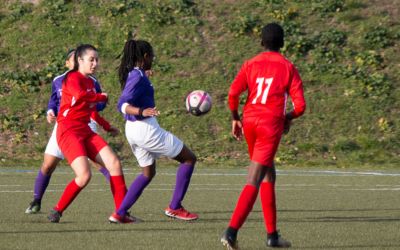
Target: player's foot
(34, 207)
(126, 219)
(275, 240)
(54, 216)
(228, 239)
(180, 213)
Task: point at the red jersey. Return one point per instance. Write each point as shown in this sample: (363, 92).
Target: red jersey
(79, 98)
(269, 78)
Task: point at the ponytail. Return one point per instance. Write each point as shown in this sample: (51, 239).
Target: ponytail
(79, 52)
(132, 56)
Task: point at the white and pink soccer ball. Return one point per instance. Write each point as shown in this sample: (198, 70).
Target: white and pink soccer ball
(198, 102)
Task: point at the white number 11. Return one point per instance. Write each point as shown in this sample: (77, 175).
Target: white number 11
(260, 81)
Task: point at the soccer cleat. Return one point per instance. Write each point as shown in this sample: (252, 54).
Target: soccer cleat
(180, 213)
(275, 240)
(126, 219)
(34, 207)
(54, 216)
(229, 241)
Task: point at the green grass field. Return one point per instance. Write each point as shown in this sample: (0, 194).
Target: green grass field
(347, 53)
(316, 210)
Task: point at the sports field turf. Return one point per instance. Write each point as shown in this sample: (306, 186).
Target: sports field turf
(317, 209)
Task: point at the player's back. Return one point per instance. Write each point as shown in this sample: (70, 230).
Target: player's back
(268, 77)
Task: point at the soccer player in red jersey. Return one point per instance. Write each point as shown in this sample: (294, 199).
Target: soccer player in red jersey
(268, 78)
(53, 154)
(75, 138)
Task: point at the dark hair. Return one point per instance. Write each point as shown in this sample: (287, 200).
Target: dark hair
(70, 52)
(272, 36)
(79, 52)
(132, 56)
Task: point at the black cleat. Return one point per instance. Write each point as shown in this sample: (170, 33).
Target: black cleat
(54, 216)
(34, 207)
(275, 240)
(228, 239)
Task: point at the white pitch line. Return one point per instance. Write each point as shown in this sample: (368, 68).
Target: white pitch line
(291, 187)
(236, 173)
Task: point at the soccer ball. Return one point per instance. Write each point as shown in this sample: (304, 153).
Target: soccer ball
(198, 102)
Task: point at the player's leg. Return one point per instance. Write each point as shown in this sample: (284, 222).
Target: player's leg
(42, 181)
(244, 205)
(103, 170)
(134, 192)
(187, 160)
(249, 192)
(81, 168)
(268, 203)
(52, 156)
(106, 157)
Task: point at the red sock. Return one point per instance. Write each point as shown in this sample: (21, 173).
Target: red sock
(267, 195)
(243, 207)
(70, 192)
(118, 189)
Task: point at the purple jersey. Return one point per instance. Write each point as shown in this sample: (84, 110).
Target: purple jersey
(138, 92)
(55, 98)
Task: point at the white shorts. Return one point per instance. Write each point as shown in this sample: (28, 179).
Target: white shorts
(52, 147)
(149, 141)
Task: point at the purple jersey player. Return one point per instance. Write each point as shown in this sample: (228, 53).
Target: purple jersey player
(146, 138)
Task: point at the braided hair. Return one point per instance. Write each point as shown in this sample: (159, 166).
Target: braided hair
(132, 56)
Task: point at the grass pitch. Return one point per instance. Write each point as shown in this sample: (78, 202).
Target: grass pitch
(316, 210)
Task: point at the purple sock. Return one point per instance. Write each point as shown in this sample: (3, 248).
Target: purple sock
(105, 172)
(183, 176)
(41, 183)
(134, 192)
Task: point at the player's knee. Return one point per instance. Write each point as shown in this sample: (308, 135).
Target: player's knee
(47, 168)
(149, 171)
(270, 175)
(114, 163)
(83, 179)
(193, 159)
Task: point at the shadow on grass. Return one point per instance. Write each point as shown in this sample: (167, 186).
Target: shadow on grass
(121, 229)
(366, 246)
(337, 210)
(343, 219)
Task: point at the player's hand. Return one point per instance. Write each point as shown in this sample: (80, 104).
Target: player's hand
(286, 125)
(149, 73)
(51, 117)
(113, 131)
(106, 95)
(150, 112)
(237, 129)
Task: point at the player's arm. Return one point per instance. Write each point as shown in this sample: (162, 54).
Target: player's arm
(104, 123)
(100, 106)
(81, 94)
(238, 86)
(296, 93)
(53, 104)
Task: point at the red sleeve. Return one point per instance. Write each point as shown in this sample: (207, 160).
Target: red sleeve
(81, 94)
(238, 85)
(100, 120)
(296, 93)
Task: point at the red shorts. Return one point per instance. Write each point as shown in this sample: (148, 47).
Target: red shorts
(263, 136)
(77, 139)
